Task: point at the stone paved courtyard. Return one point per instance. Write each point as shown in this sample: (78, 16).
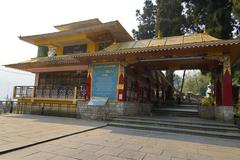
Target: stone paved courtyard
(112, 143)
(20, 130)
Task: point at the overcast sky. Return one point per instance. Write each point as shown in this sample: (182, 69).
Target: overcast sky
(28, 17)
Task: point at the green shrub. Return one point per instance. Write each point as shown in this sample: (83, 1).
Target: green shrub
(207, 101)
(236, 110)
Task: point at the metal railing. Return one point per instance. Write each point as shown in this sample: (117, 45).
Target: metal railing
(193, 98)
(56, 92)
(7, 106)
(55, 109)
(23, 91)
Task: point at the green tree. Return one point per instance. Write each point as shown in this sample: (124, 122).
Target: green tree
(213, 15)
(236, 8)
(177, 81)
(146, 26)
(170, 19)
(196, 83)
(219, 21)
(169, 22)
(236, 73)
(195, 12)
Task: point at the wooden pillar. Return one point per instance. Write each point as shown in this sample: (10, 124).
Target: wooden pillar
(121, 86)
(75, 92)
(224, 109)
(137, 90)
(36, 79)
(125, 88)
(88, 84)
(157, 91)
(121, 81)
(149, 95)
(227, 82)
(218, 92)
(14, 92)
(218, 86)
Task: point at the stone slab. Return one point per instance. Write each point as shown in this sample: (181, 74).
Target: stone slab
(146, 145)
(18, 131)
(224, 113)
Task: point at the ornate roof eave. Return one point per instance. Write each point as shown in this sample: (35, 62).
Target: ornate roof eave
(119, 33)
(160, 49)
(87, 58)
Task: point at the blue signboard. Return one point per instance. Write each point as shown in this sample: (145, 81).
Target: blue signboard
(105, 78)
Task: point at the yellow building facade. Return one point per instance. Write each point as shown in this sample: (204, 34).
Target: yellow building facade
(89, 59)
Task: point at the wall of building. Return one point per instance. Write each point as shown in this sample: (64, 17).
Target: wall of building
(138, 88)
(91, 46)
(112, 109)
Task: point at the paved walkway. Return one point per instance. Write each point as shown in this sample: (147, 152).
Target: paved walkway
(111, 143)
(21, 130)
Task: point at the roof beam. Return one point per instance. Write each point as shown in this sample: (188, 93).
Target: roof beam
(46, 41)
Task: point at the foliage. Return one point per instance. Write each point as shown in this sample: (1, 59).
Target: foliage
(236, 109)
(195, 12)
(237, 114)
(169, 20)
(236, 77)
(219, 22)
(177, 81)
(196, 83)
(207, 101)
(177, 17)
(213, 15)
(236, 8)
(236, 73)
(146, 26)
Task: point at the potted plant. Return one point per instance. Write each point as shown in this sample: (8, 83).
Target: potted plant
(237, 116)
(206, 109)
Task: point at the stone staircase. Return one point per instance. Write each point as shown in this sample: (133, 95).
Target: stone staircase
(183, 110)
(186, 125)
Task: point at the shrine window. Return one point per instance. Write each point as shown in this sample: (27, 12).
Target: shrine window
(75, 49)
(62, 84)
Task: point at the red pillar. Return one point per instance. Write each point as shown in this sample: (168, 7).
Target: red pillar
(137, 90)
(218, 93)
(227, 82)
(121, 80)
(227, 89)
(88, 87)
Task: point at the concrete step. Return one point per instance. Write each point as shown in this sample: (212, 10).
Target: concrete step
(175, 111)
(178, 109)
(230, 135)
(181, 120)
(187, 106)
(204, 127)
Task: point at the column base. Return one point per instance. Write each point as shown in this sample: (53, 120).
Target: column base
(224, 113)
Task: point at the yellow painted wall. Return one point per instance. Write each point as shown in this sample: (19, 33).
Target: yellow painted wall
(91, 47)
(59, 51)
(46, 41)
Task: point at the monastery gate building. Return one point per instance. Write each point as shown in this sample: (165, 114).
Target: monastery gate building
(93, 59)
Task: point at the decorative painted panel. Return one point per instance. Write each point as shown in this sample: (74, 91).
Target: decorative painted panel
(105, 78)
